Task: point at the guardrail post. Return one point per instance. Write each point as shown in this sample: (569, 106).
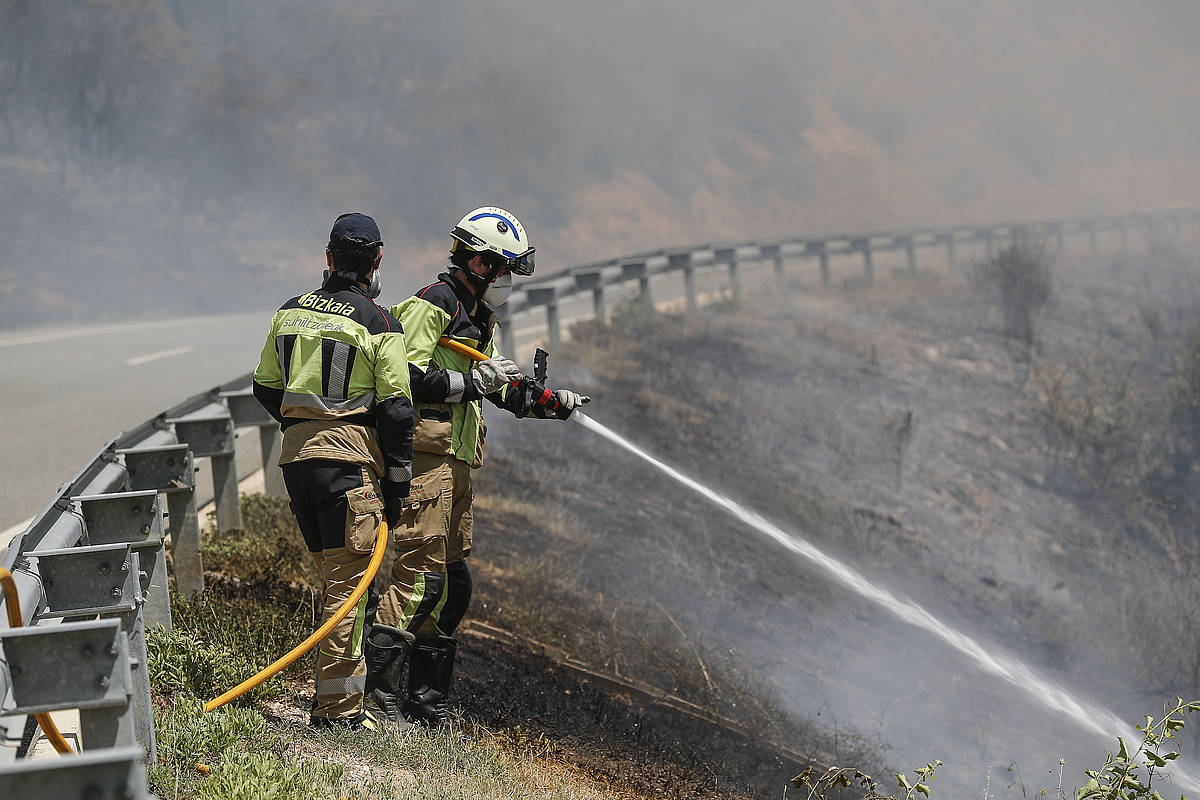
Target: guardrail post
(209, 432)
(951, 256)
(682, 260)
(864, 245)
(118, 772)
(910, 253)
(1091, 231)
(820, 249)
(591, 280)
(508, 337)
(728, 255)
(170, 470)
(104, 580)
(547, 296)
(638, 269)
(246, 411)
(83, 665)
(775, 253)
(134, 518)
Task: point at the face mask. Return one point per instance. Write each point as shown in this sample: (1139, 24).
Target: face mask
(497, 291)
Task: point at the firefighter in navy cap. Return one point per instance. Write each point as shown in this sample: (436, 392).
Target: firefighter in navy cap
(334, 374)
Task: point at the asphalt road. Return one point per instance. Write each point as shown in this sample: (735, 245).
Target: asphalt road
(67, 391)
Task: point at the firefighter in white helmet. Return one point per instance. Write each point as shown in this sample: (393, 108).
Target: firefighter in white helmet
(430, 586)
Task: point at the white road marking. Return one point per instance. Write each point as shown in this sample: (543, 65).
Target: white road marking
(174, 351)
(75, 333)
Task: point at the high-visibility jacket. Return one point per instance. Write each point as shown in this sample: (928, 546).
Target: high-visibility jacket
(334, 373)
(448, 407)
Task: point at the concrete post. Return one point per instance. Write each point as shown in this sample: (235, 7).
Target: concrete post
(169, 469)
(547, 296)
(638, 269)
(246, 411)
(209, 432)
(728, 255)
(911, 253)
(682, 260)
(819, 249)
(270, 440)
(864, 245)
(134, 518)
(591, 279)
(185, 542)
(508, 336)
(775, 253)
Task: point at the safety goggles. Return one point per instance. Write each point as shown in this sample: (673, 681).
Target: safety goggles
(517, 263)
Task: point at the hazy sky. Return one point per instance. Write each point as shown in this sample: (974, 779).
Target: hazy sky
(153, 145)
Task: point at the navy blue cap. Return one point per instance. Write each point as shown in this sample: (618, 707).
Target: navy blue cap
(355, 226)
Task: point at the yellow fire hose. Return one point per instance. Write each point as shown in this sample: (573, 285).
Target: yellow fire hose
(323, 631)
(462, 349)
(13, 603)
(319, 634)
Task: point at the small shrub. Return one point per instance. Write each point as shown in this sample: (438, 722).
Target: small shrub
(1093, 415)
(223, 637)
(268, 546)
(1019, 279)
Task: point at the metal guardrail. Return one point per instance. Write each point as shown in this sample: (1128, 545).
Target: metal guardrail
(550, 291)
(91, 567)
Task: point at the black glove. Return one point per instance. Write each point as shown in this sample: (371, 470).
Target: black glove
(394, 495)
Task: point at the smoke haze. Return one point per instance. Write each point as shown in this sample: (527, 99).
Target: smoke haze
(164, 157)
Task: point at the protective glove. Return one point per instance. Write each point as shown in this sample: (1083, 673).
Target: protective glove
(570, 401)
(494, 374)
(394, 495)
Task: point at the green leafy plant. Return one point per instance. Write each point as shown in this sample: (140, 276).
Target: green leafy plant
(834, 780)
(1130, 773)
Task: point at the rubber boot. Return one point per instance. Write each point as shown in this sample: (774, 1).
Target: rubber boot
(429, 674)
(388, 650)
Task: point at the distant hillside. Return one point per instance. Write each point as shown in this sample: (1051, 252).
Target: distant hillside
(162, 156)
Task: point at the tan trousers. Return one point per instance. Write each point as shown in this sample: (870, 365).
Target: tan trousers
(435, 530)
(339, 509)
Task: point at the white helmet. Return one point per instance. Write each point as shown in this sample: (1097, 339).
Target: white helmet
(499, 236)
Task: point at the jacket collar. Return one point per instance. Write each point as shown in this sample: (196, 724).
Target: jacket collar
(480, 312)
(336, 284)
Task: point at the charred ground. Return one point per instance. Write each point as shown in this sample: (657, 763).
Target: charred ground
(899, 428)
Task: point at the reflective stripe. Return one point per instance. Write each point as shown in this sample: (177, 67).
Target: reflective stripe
(414, 602)
(458, 385)
(283, 347)
(398, 474)
(355, 684)
(302, 400)
(436, 614)
(339, 368)
(360, 619)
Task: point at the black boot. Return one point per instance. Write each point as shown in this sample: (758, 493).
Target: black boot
(429, 675)
(387, 651)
